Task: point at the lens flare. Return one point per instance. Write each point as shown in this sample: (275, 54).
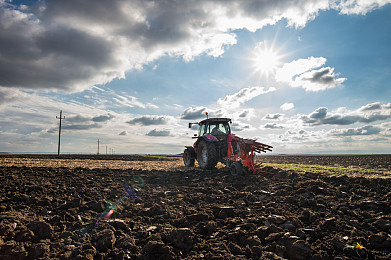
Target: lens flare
(137, 183)
(110, 209)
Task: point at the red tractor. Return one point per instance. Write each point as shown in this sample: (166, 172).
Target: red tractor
(215, 143)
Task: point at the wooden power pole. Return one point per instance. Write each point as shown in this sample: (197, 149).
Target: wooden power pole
(59, 131)
(98, 146)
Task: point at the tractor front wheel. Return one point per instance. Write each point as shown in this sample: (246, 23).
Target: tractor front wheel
(206, 155)
(189, 157)
(236, 169)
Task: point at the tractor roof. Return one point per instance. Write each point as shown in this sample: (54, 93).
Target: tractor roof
(215, 120)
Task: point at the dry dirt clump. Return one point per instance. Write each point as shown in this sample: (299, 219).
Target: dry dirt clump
(76, 212)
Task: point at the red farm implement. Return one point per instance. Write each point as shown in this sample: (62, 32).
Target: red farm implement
(215, 143)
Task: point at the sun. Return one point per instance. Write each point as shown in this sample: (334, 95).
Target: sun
(265, 60)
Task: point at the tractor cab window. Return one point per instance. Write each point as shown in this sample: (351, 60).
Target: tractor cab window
(214, 129)
(203, 130)
(219, 128)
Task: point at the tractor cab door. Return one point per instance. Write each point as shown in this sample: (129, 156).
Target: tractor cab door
(204, 129)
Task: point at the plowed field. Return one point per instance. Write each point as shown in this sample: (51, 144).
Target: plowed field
(139, 207)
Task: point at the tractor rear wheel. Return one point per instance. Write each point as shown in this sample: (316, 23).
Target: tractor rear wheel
(189, 157)
(236, 169)
(206, 155)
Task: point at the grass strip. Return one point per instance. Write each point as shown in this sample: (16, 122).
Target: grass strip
(332, 170)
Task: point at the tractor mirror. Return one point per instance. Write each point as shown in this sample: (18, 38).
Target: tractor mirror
(189, 125)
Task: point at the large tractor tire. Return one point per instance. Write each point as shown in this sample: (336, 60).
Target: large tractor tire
(206, 155)
(236, 169)
(189, 157)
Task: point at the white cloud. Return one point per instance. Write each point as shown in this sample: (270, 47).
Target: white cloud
(287, 106)
(75, 45)
(149, 120)
(124, 133)
(358, 6)
(244, 95)
(129, 101)
(245, 114)
(276, 116)
(366, 114)
(160, 133)
(238, 126)
(10, 96)
(364, 130)
(273, 126)
(191, 113)
(297, 67)
(302, 73)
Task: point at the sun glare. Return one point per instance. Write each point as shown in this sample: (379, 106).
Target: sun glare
(265, 59)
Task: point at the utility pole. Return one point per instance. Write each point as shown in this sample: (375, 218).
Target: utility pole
(59, 131)
(106, 149)
(98, 146)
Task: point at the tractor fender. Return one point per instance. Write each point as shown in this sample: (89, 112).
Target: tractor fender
(206, 138)
(210, 137)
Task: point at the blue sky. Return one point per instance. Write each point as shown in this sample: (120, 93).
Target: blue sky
(304, 76)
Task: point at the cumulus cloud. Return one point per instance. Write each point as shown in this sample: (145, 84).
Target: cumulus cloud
(295, 136)
(74, 45)
(287, 106)
(156, 132)
(149, 120)
(123, 133)
(372, 106)
(276, 116)
(359, 6)
(365, 130)
(79, 122)
(303, 73)
(238, 126)
(103, 118)
(245, 113)
(366, 114)
(273, 126)
(191, 113)
(244, 95)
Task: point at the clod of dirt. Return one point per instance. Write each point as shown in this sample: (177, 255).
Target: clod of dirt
(224, 212)
(380, 240)
(38, 250)
(299, 250)
(23, 235)
(157, 250)
(119, 224)
(104, 240)
(41, 229)
(181, 238)
(276, 219)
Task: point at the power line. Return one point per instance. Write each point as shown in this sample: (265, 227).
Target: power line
(59, 131)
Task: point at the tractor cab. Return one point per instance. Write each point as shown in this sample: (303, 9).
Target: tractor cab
(218, 127)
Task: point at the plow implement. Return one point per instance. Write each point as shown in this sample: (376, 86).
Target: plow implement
(241, 153)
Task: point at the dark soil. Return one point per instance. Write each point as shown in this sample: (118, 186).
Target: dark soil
(185, 213)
